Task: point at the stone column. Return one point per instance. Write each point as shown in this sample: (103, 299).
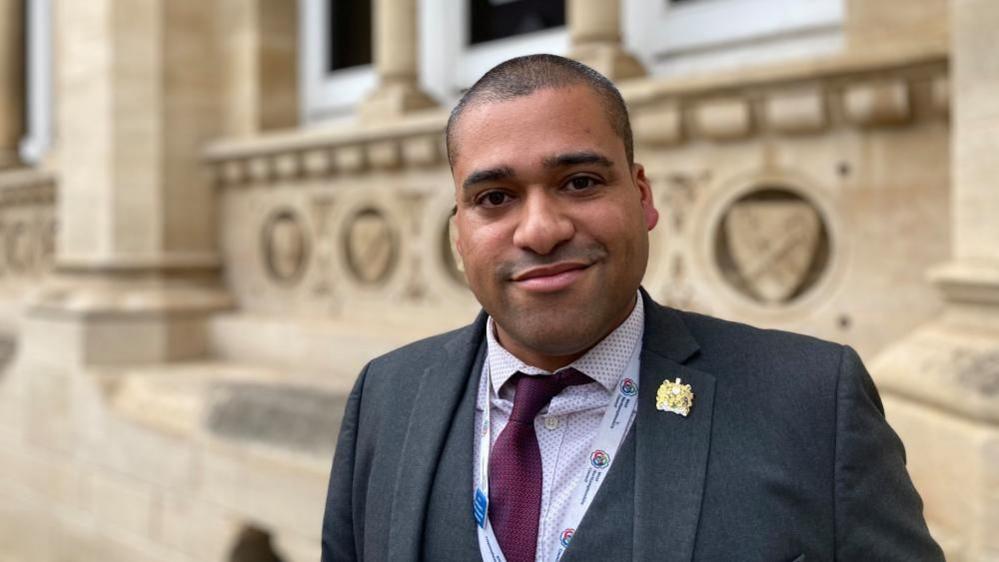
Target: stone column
(941, 384)
(397, 55)
(259, 43)
(12, 64)
(136, 271)
(595, 33)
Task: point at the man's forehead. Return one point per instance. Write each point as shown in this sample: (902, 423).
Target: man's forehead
(534, 126)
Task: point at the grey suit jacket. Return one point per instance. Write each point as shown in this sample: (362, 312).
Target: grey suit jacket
(785, 456)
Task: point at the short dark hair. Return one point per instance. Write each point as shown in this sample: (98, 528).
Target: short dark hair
(525, 75)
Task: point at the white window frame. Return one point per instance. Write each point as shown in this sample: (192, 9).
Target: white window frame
(37, 142)
(448, 64)
(720, 34)
(326, 96)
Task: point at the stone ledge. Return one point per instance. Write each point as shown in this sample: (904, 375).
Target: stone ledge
(26, 186)
(786, 99)
(968, 281)
(950, 367)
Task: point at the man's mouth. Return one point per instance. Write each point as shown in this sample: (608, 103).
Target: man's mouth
(550, 278)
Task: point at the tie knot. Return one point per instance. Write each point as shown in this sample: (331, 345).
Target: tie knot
(535, 392)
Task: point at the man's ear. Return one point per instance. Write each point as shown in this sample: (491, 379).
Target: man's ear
(456, 242)
(649, 210)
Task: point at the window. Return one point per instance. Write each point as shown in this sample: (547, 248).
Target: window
(350, 34)
(687, 36)
(499, 19)
(462, 39)
(38, 140)
(335, 58)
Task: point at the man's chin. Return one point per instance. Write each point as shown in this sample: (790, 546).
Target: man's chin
(555, 333)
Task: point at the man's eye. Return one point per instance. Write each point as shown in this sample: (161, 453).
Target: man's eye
(582, 182)
(494, 199)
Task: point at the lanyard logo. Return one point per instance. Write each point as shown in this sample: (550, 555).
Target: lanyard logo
(628, 387)
(566, 537)
(599, 459)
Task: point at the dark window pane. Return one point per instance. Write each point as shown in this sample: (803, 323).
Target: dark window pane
(496, 19)
(349, 33)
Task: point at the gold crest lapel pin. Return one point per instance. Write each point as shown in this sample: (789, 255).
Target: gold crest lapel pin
(675, 397)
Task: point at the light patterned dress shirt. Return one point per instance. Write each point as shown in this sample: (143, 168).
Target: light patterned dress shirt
(567, 427)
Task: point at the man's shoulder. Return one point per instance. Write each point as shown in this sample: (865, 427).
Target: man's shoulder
(725, 346)
(717, 332)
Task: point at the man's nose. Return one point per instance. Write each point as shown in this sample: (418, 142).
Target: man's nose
(543, 224)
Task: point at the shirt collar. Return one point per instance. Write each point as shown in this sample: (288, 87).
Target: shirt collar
(604, 363)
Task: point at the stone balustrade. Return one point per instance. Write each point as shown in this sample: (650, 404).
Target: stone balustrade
(353, 222)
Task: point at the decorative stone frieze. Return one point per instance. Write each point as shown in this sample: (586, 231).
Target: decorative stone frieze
(797, 111)
(723, 119)
(878, 103)
(27, 224)
(424, 150)
(260, 169)
(384, 155)
(318, 162)
(349, 159)
(659, 126)
(287, 165)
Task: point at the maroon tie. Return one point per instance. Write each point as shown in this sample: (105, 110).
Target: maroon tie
(515, 468)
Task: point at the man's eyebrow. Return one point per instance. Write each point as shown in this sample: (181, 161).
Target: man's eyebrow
(575, 158)
(489, 174)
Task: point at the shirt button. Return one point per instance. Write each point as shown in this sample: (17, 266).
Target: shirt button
(551, 422)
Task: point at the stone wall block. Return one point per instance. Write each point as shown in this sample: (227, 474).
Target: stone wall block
(278, 493)
(146, 454)
(53, 479)
(297, 548)
(424, 150)
(724, 119)
(199, 528)
(350, 159)
(878, 104)
(660, 126)
(384, 155)
(124, 504)
(797, 112)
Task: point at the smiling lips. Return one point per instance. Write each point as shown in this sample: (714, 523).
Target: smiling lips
(550, 278)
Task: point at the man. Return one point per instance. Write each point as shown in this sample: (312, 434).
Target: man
(578, 419)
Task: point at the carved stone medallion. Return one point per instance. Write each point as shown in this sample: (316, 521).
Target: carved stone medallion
(284, 245)
(371, 246)
(772, 245)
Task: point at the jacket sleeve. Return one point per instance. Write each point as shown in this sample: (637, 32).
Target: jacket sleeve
(879, 515)
(341, 539)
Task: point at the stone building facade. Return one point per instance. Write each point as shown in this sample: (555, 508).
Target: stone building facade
(213, 213)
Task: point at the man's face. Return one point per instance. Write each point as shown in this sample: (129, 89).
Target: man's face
(552, 223)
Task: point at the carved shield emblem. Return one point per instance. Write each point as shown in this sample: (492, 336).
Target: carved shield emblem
(772, 244)
(371, 247)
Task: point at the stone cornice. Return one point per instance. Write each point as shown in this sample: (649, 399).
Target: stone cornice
(863, 90)
(27, 186)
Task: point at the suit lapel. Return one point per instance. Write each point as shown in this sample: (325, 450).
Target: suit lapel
(438, 403)
(653, 491)
(671, 457)
(671, 451)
